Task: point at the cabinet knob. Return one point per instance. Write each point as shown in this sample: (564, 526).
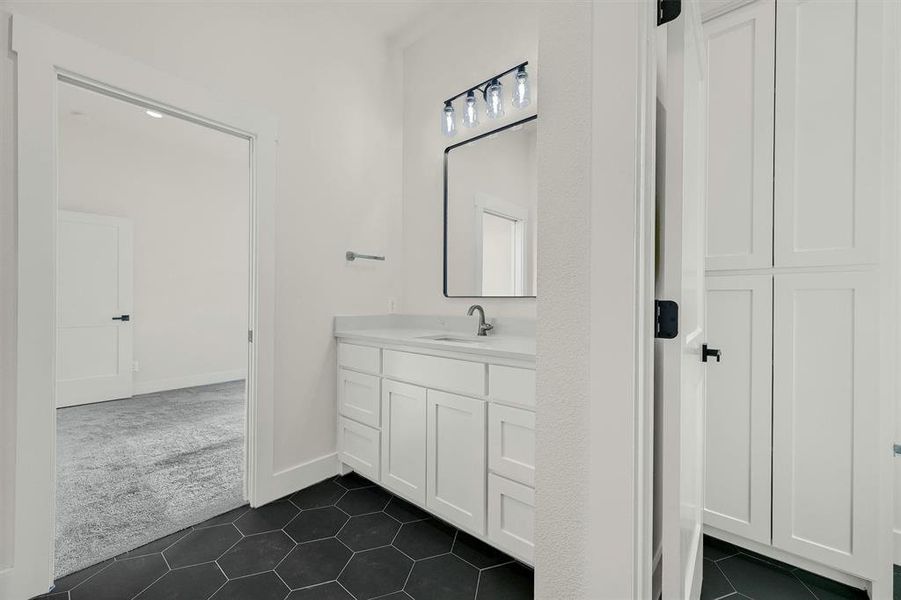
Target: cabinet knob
(707, 352)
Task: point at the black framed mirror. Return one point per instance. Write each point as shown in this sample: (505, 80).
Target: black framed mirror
(490, 214)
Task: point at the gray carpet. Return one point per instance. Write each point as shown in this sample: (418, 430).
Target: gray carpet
(131, 471)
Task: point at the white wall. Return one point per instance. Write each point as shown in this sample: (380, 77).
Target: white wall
(339, 111)
(186, 190)
(592, 372)
(470, 46)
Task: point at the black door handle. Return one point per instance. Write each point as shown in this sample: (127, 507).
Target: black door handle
(708, 352)
(122, 318)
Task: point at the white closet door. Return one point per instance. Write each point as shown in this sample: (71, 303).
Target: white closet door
(828, 131)
(456, 460)
(739, 406)
(404, 439)
(825, 418)
(740, 50)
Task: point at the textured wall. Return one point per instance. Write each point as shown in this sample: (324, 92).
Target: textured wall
(564, 187)
(588, 355)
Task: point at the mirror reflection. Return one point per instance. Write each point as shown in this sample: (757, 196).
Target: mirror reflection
(490, 212)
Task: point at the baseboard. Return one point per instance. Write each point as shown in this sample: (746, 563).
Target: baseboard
(304, 475)
(786, 557)
(896, 537)
(177, 383)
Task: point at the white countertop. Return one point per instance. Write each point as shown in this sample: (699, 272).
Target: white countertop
(511, 339)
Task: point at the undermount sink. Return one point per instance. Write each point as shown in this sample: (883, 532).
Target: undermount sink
(451, 339)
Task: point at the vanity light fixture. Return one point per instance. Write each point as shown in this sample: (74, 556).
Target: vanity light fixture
(494, 100)
(448, 124)
(471, 110)
(492, 92)
(153, 113)
(521, 95)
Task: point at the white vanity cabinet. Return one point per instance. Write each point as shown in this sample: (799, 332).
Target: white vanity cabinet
(451, 432)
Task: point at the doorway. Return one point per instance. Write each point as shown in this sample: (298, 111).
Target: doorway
(152, 349)
(44, 58)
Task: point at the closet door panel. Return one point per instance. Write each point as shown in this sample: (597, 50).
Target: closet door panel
(739, 406)
(825, 416)
(828, 132)
(740, 50)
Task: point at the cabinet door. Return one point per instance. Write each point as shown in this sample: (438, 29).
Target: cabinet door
(828, 131)
(456, 469)
(825, 418)
(403, 439)
(739, 406)
(741, 48)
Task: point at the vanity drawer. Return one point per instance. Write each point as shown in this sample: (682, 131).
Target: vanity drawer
(359, 447)
(511, 443)
(359, 358)
(359, 397)
(436, 372)
(511, 385)
(511, 517)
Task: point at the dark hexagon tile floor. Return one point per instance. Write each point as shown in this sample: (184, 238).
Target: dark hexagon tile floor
(346, 539)
(733, 573)
(342, 539)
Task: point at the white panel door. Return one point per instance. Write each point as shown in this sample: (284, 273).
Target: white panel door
(94, 303)
(825, 418)
(741, 65)
(456, 462)
(404, 439)
(828, 131)
(679, 372)
(738, 430)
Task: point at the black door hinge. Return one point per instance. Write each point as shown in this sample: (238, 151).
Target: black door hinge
(667, 10)
(666, 319)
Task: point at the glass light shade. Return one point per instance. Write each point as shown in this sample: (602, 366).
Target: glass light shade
(470, 111)
(521, 95)
(494, 99)
(448, 123)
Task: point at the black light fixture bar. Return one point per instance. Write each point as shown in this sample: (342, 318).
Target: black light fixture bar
(485, 83)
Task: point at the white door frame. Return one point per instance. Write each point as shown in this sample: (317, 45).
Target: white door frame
(486, 203)
(44, 57)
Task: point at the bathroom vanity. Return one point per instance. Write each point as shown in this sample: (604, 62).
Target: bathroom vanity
(444, 419)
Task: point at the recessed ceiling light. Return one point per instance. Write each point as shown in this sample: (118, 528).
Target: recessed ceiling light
(153, 113)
